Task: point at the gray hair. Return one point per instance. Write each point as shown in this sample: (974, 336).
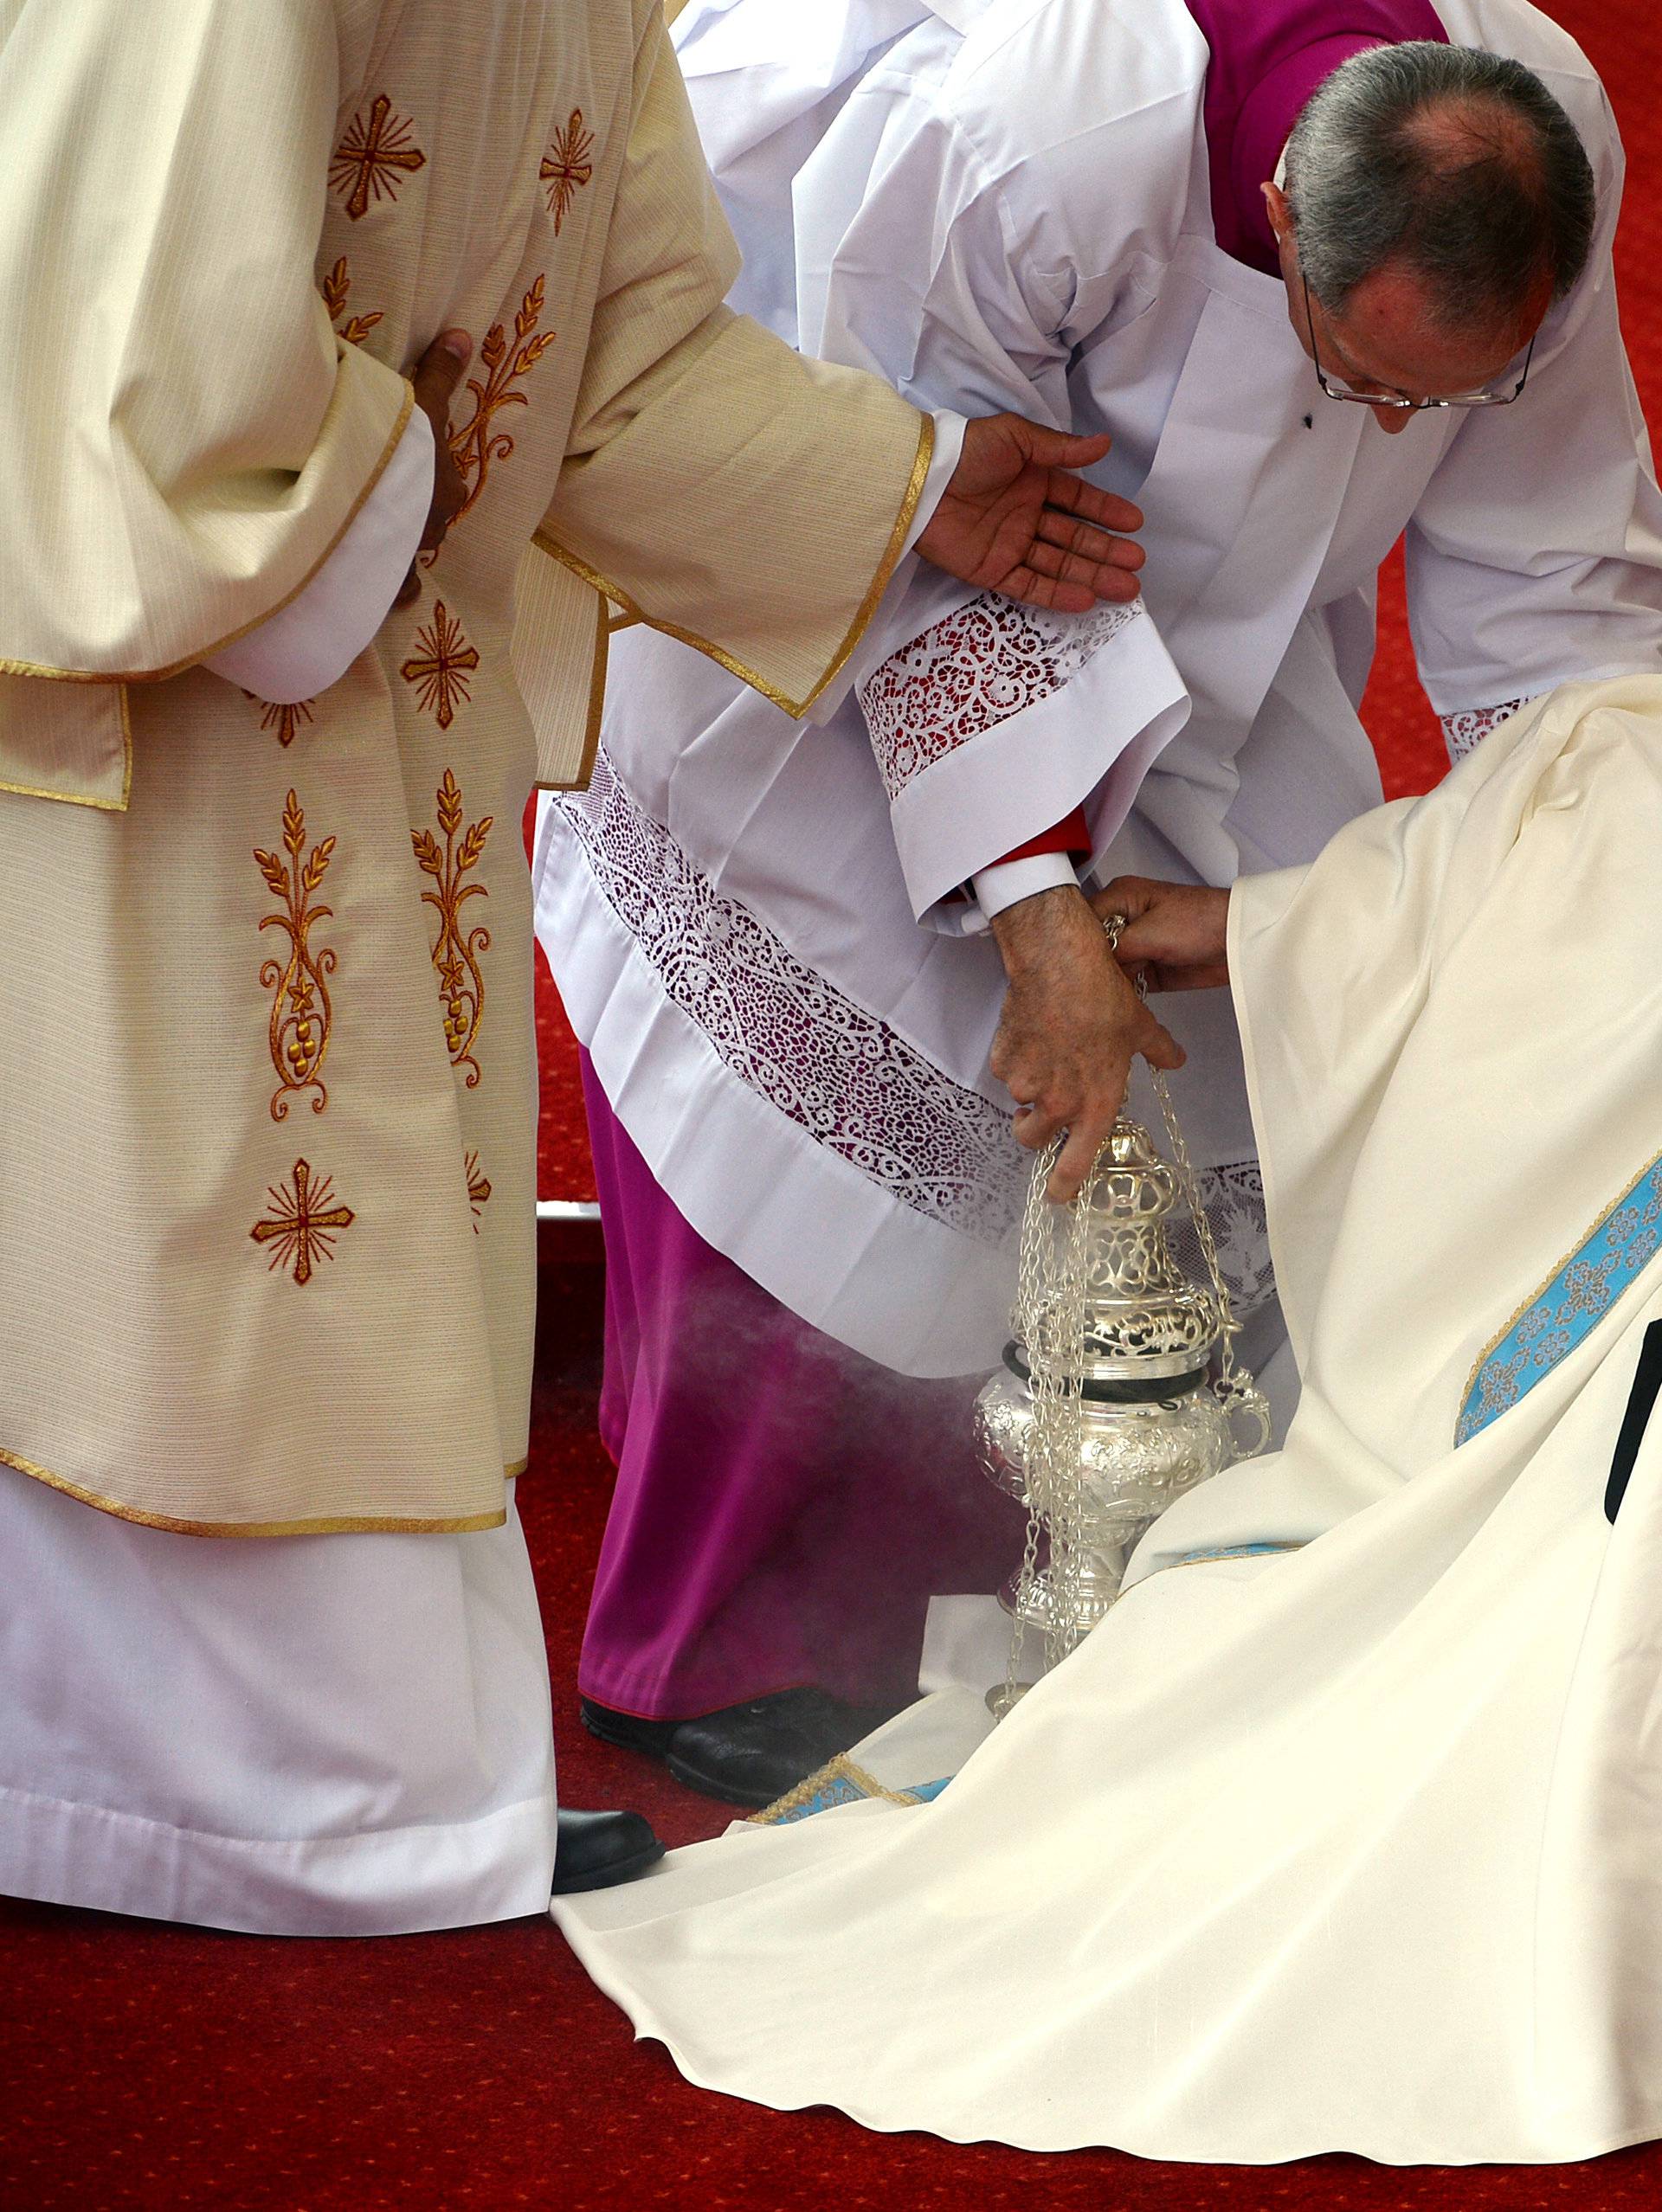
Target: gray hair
(1458, 163)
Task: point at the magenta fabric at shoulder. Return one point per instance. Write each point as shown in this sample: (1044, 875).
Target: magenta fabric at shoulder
(1268, 56)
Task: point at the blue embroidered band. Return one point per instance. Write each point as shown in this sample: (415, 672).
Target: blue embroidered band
(841, 1783)
(1613, 1254)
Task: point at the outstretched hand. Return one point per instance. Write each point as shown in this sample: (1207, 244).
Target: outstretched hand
(1013, 519)
(1177, 935)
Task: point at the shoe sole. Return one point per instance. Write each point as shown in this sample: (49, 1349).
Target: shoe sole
(608, 1877)
(707, 1786)
(621, 1735)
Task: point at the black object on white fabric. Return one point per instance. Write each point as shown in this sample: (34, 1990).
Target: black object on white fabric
(1641, 1403)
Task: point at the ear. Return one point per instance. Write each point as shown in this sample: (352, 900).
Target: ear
(1280, 212)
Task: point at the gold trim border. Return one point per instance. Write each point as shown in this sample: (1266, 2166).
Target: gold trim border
(795, 708)
(195, 659)
(596, 698)
(1543, 1286)
(840, 1769)
(347, 1525)
(78, 798)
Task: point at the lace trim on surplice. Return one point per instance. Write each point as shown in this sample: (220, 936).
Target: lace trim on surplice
(845, 1078)
(1463, 733)
(972, 671)
(842, 1075)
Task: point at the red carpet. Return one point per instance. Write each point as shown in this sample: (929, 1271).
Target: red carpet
(161, 2068)
(170, 2070)
(563, 1167)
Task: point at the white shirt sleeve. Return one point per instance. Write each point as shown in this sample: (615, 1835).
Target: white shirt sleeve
(1007, 882)
(311, 643)
(949, 448)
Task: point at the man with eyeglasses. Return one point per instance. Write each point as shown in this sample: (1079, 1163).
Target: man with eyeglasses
(1328, 271)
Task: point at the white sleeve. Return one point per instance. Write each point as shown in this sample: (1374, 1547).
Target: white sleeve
(997, 721)
(310, 644)
(1006, 883)
(877, 641)
(990, 722)
(948, 449)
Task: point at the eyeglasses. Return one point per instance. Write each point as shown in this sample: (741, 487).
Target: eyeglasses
(1336, 390)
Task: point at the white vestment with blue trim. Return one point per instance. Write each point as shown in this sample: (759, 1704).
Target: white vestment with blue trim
(1343, 1831)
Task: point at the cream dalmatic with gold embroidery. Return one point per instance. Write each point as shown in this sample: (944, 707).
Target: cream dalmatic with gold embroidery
(267, 1093)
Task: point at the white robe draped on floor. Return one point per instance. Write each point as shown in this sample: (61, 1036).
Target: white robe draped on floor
(1004, 204)
(1355, 1845)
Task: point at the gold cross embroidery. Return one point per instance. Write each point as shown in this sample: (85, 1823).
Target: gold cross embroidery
(303, 1222)
(566, 167)
(442, 667)
(368, 161)
(479, 1189)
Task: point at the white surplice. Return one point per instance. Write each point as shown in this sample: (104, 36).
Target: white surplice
(1343, 1831)
(1004, 204)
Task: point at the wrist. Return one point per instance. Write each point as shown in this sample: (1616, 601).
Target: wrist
(949, 430)
(1030, 928)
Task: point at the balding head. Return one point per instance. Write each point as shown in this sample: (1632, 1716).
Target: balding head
(1453, 170)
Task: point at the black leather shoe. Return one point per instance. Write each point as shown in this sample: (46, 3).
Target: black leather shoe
(597, 1850)
(751, 1755)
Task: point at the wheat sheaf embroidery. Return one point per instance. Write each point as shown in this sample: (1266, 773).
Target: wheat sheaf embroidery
(337, 290)
(456, 950)
(373, 158)
(301, 1014)
(441, 669)
(567, 167)
(284, 720)
(479, 442)
(304, 1221)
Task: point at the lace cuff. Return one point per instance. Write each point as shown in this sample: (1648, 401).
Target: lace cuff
(1464, 732)
(989, 660)
(997, 722)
